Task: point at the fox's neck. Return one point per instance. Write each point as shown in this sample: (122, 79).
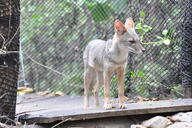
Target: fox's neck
(117, 52)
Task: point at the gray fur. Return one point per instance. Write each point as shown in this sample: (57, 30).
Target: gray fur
(100, 55)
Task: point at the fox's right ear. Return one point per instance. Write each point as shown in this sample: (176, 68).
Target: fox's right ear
(129, 23)
(119, 27)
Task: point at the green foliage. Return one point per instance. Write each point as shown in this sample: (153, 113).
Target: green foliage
(141, 27)
(100, 11)
(166, 37)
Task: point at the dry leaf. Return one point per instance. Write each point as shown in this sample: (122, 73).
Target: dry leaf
(52, 94)
(154, 99)
(59, 93)
(141, 99)
(24, 90)
(21, 88)
(126, 98)
(42, 93)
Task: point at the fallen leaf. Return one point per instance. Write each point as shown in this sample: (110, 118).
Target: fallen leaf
(24, 90)
(42, 93)
(59, 93)
(141, 99)
(154, 99)
(126, 98)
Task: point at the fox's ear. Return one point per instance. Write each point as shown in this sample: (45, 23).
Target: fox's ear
(129, 23)
(119, 27)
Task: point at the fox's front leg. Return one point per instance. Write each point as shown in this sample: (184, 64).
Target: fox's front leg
(107, 99)
(121, 80)
(87, 81)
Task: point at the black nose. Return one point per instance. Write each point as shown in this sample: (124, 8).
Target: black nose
(143, 50)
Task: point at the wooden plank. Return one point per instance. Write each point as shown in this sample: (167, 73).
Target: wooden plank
(71, 108)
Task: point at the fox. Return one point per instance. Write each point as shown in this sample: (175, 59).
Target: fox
(102, 58)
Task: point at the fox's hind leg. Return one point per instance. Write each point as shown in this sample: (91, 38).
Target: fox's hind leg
(88, 80)
(98, 81)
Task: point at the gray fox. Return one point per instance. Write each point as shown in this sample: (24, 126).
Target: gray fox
(102, 58)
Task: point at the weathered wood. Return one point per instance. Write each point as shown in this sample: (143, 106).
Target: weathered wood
(46, 109)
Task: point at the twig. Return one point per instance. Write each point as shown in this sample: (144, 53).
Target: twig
(61, 122)
(8, 119)
(10, 9)
(2, 52)
(11, 38)
(3, 95)
(53, 70)
(4, 125)
(3, 38)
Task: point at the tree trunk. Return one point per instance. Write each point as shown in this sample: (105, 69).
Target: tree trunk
(9, 60)
(186, 52)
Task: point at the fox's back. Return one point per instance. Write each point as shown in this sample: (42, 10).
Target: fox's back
(95, 52)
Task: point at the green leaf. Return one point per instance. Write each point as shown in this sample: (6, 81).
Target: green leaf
(166, 41)
(165, 32)
(139, 28)
(100, 11)
(142, 14)
(159, 37)
(146, 28)
(35, 16)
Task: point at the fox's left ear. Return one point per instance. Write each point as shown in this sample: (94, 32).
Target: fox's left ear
(119, 27)
(129, 23)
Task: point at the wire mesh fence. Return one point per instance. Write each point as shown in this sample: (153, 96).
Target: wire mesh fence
(54, 34)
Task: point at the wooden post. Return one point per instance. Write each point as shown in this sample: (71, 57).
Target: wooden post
(186, 52)
(9, 58)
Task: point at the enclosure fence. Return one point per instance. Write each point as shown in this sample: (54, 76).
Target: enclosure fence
(54, 34)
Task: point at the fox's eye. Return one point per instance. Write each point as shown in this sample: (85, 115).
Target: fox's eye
(132, 41)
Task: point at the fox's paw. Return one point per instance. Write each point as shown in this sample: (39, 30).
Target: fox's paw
(108, 106)
(122, 105)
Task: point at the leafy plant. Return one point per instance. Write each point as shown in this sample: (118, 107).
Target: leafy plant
(100, 11)
(141, 27)
(166, 37)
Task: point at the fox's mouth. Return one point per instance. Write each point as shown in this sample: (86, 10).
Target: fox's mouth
(135, 51)
(132, 50)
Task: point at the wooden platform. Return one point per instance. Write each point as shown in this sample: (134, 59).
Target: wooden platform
(47, 109)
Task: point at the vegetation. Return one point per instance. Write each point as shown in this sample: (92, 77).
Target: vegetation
(55, 33)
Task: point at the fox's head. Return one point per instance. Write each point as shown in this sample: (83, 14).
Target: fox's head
(127, 36)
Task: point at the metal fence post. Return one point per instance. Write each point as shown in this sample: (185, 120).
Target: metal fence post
(9, 58)
(186, 52)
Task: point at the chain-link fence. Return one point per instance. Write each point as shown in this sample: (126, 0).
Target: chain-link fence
(54, 34)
